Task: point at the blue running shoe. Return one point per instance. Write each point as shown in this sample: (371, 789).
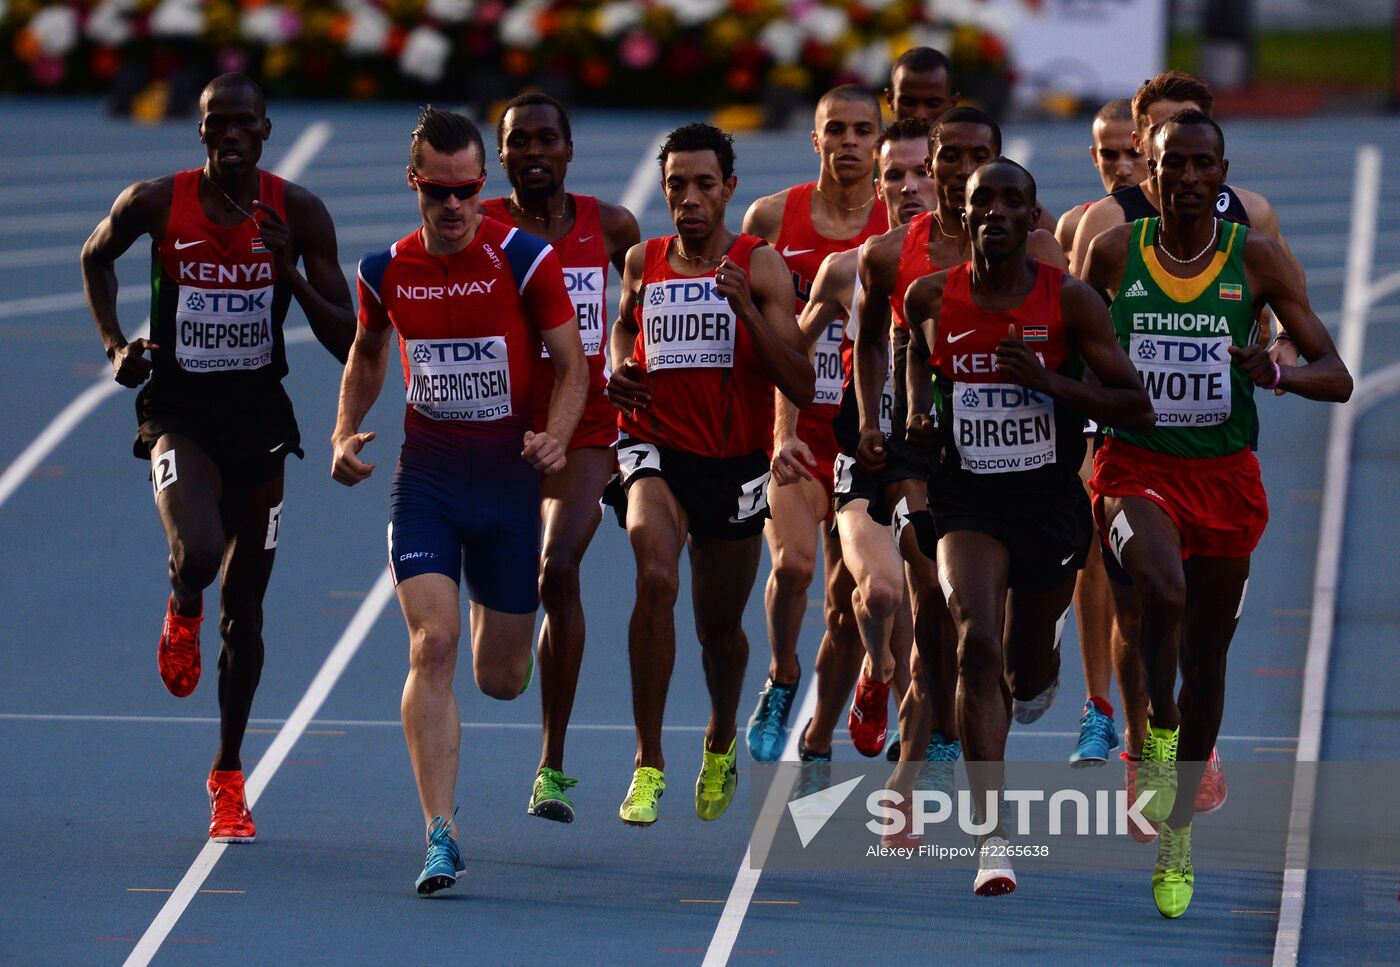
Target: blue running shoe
(940, 761)
(1098, 736)
(444, 862)
(892, 750)
(768, 726)
(815, 774)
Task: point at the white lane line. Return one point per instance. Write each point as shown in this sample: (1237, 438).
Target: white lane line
(398, 723)
(355, 633)
(291, 166)
(1020, 150)
(1356, 301)
(645, 179)
(746, 880)
(62, 301)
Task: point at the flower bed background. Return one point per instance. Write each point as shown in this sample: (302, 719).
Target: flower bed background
(649, 52)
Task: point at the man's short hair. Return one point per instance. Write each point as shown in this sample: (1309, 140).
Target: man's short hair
(905, 129)
(533, 99)
(1190, 117)
(700, 137)
(851, 93)
(446, 132)
(968, 115)
(1171, 86)
(232, 81)
(1001, 160)
(1118, 109)
(923, 60)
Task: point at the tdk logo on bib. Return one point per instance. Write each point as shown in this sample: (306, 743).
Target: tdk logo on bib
(1187, 378)
(585, 288)
(687, 325)
(219, 330)
(459, 379)
(1003, 427)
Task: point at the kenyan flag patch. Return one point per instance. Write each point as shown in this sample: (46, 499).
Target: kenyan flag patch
(260, 249)
(1231, 292)
(1035, 333)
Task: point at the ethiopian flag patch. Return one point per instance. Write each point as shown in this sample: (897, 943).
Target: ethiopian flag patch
(1231, 291)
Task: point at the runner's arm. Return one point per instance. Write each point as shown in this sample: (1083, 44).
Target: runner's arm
(871, 353)
(764, 218)
(1118, 398)
(792, 457)
(627, 386)
(763, 301)
(1041, 246)
(1273, 280)
(570, 381)
(1102, 215)
(1066, 227)
(321, 292)
(922, 305)
(620, 233)
(139, 210)
(360, 385)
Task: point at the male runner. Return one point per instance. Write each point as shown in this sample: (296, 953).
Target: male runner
(470, 299)
(214, 420)
(960, 141)
(805, 224)
(1120, 165)
(704, 332)
(1158, 99)
(1005, 339)
(1182, 507)
(878, 596)
(535, 144)
(921, 85)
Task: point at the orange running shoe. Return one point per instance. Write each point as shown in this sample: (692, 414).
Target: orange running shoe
(870, 716)
(1130, 768)
(177, 655)
(230, 821)
(1210, 796)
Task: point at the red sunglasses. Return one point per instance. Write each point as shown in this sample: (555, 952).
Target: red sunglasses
(439, 191)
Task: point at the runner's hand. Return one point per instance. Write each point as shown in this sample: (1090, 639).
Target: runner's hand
(732, 282)
(129, 363)
(1285, 353)
(627, 387)
(277, 238)
(921, 431)
(870, 451)
(346, 465)
(1016, 360)
(543, 452)
(791, 460)
(1257, 365)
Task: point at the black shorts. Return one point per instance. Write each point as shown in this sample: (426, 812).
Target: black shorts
(851, 482)
(724, 497)
(1047, 533)
(247, 439)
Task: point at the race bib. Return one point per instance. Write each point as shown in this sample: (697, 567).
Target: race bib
(842, 474)
(585, 288)
(887, 398)
(827, 363)
(1188, 379)
(459, 379)
(1003, 427)
(638, 458)
(221, 330)
(686, 324)
(753, 498)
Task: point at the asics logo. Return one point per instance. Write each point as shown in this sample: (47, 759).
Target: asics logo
(181, 246)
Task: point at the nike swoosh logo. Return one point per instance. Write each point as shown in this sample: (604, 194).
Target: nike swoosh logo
(179, 245)
(585, 238)
(953, 339)
(276, 448)
(790, 252)
(1066, 561)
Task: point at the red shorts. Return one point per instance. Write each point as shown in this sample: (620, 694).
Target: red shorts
(597, 427)
(814, 428)
(1218, 504)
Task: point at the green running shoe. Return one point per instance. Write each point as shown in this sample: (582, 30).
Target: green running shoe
(719, 777)
(1173, 879)
(548, 800)
(1158, 772)
(529, 675)
(639, 807)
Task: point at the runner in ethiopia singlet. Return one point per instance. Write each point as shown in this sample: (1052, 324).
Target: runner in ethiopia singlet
(217, 313)
(803, 248)
(584, 257)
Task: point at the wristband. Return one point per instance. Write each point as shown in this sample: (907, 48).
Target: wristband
(1278, 377)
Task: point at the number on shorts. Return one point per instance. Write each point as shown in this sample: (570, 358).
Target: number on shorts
(637, 457)
(753, 498)
(843, 480)
(163, 474)
(274, 527)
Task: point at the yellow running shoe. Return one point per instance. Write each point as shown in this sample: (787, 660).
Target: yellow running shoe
(639, 807)
(1158, 772)
(1173, 879)
(719, 777)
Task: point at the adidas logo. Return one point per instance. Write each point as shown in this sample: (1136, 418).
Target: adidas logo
(1136, 289)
